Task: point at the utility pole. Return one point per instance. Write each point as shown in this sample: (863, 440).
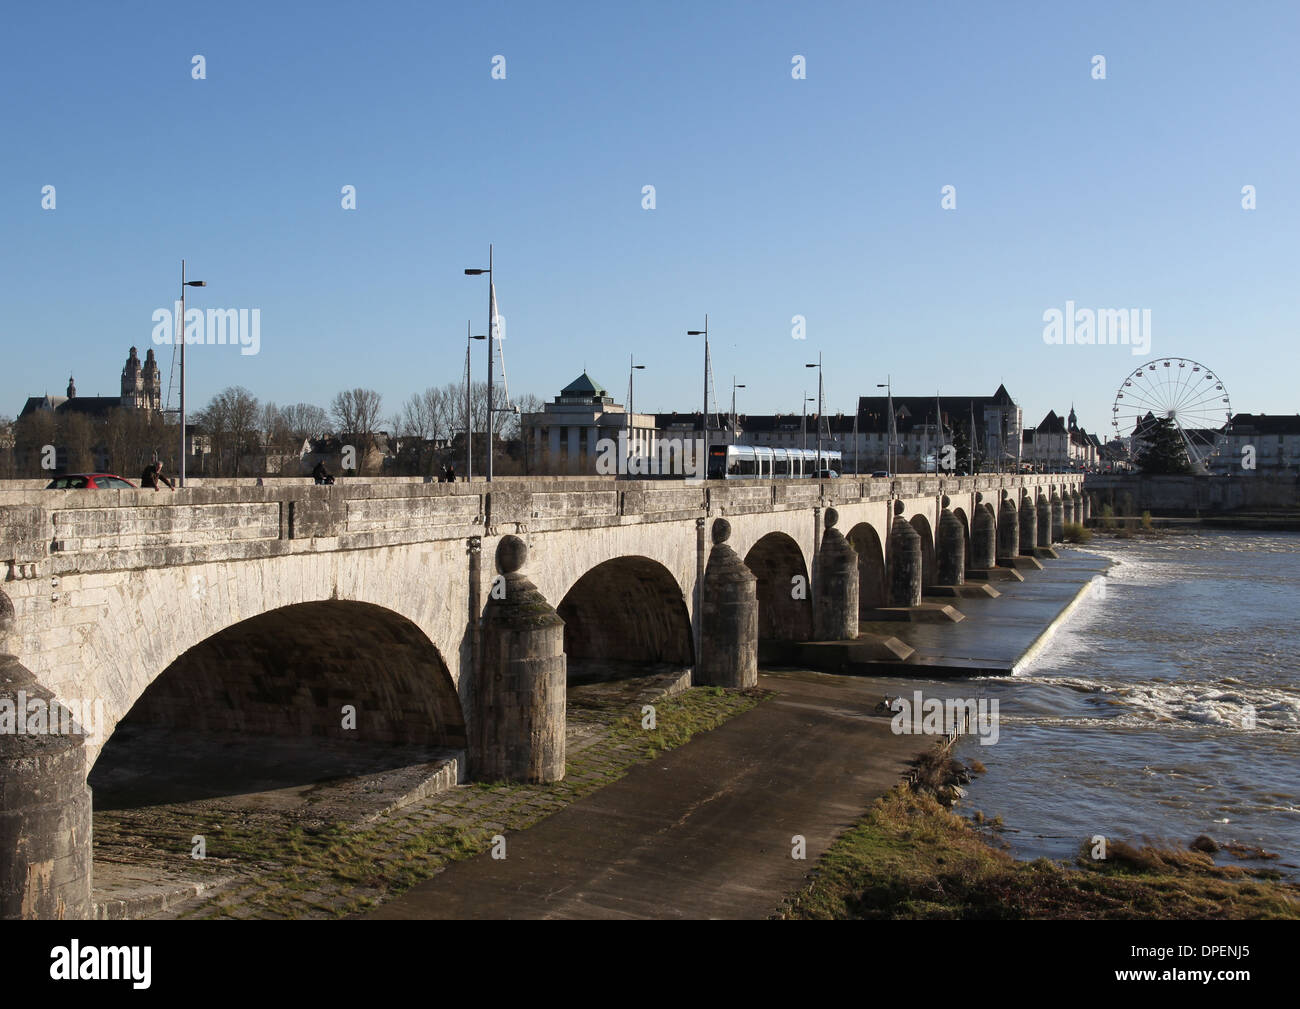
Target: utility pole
(180, 333)
(734, 387)
(820, 408)
(704, 417)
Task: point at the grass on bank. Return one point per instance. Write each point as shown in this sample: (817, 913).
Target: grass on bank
(910, 857)
(1074, 532)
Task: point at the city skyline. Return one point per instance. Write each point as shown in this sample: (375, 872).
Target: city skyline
(776, 197)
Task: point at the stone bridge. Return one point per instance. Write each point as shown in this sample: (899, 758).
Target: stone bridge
(270, 610)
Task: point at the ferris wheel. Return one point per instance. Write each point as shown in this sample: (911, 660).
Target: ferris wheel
(1180, 390)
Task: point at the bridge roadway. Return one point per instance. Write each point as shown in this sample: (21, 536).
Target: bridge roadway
(266, 609)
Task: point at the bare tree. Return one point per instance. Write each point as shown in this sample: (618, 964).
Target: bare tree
(305, 420)
(231, 420)
(356, 413)
(529, 436)
(31, 434)
(76, 437)
(8, 460)
(415, 420)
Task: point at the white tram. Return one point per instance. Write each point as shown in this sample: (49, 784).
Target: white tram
(756, 462)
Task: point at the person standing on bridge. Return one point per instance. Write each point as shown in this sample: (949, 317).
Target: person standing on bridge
(152, 474)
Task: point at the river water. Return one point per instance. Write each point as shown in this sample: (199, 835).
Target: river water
(1166, 706)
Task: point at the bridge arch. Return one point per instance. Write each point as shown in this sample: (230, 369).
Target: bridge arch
(289, 675)
(784, 603)
(625, 610)
(872, 589)
(928, 571)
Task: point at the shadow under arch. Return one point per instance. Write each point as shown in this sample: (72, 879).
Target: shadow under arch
(872, 587)
(784, 602)
(623, 615)
(928, 573)
(263, 704)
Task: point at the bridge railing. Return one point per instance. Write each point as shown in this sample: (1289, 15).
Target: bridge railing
(81, 531)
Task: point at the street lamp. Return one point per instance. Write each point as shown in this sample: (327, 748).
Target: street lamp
(704, 417)
(818, 366)
(734, 387)
(803, 427)
(632, 369)
(889, 430)
(491, 324)
(469, 407)
(180, 335)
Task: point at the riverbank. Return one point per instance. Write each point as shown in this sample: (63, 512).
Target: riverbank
(265, 859)
(910, 857)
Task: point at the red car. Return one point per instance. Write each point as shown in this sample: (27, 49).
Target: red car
(89, 481)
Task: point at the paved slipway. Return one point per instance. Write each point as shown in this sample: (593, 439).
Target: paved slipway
(702, 832)
(705, 830)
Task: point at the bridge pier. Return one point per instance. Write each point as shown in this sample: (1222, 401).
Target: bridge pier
(520, 687)
(951, 548)
(835, 585)
(983, 536)
(1008, 543)
(1080, 512)
(1067, 506)
(729, 618)
(1058, 516)
(904, 560)
(45, 832)
(1028, 525)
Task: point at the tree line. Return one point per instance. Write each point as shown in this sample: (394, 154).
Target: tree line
(239, 435)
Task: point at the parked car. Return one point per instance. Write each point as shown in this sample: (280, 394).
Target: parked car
(880, 472)
(89, 481)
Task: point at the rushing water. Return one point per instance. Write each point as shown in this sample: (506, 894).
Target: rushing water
(1134, 721)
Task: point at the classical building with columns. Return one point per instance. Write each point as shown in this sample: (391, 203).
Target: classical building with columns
(566, 435)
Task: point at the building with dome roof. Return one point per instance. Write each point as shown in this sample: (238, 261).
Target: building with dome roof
(564, 437)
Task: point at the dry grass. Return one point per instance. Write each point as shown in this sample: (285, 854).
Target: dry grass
(909, 857)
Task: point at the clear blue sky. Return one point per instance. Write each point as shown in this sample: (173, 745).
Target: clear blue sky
(775, 197)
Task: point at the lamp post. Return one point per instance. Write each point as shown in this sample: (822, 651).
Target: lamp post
(889, 429)
(734, 387)
(491, 329)
(818, 366)
(803, 425)
(180, 335)
(632, 369)
(704, 417)
(469, 405)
